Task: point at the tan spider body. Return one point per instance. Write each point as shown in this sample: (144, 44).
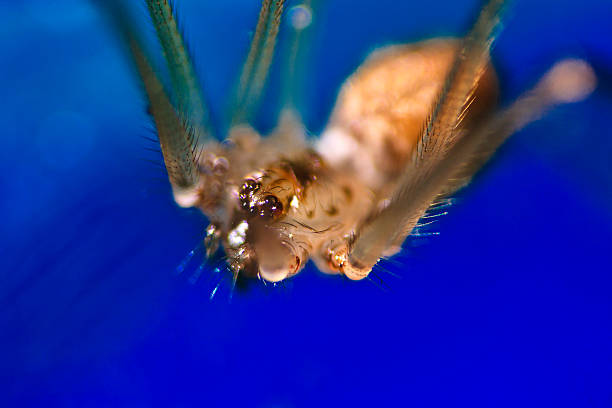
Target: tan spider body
(411, 125)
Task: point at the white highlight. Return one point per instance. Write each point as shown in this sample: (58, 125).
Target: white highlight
(237, 236)
(295, 203)
(339, 148)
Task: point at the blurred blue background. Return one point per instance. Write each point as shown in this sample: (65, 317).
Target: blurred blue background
(510, 306)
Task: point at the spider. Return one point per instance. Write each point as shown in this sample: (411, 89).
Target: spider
(410, 127)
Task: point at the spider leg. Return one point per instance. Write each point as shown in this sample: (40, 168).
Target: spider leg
(187, 91)
(257, 65)
(569, 80)
(433, 158)
(300, 17)
(177, 139)
(290, 130)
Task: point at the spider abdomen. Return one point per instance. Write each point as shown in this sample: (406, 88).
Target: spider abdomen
(382, 108)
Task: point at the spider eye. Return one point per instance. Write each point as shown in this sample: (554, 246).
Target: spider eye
(249, 186)
(245, 194)
(257, 202)
(270, 207)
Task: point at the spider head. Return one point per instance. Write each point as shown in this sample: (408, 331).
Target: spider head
(283, 213)
(259, 243)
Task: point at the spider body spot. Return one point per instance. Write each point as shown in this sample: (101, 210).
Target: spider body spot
(348, 193)
(332, 211)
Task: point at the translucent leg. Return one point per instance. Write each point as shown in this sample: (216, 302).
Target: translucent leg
(567, 81)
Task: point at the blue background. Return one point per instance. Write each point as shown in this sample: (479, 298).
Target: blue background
(510, 306)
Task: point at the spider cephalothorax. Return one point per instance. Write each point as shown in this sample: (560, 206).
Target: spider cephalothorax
(411, 126)
(280, 214)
